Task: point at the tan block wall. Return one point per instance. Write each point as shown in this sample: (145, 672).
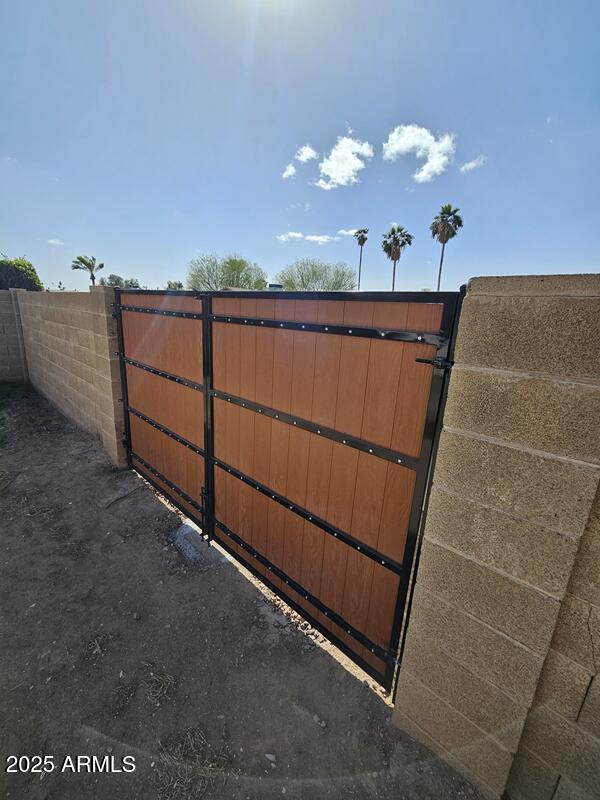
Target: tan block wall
(562, 731)
(12, 362)
(503, 646)
(70, 341)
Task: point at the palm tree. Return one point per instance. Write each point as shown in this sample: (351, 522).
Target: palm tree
(88, 264)
(444, 227)
(394, 242)
(361, 239)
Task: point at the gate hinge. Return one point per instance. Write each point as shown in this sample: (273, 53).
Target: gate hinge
(438, 363)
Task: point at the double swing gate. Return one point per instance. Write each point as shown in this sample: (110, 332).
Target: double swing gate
(297, 429)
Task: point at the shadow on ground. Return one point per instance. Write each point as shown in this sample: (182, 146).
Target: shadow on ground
(110, 645)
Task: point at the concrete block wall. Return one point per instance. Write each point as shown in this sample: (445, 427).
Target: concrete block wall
(559, 752)
(13, 366)
(70, 341)
(499, 675)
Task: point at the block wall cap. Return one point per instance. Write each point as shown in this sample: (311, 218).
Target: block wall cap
(584, 285)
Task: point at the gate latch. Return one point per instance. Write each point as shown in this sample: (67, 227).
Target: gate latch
(438, 363)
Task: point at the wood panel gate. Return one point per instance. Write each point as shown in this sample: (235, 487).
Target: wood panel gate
(298, 430)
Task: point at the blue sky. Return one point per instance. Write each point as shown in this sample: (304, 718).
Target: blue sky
(144, 133)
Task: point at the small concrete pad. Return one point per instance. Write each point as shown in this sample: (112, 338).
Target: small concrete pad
(194, 548)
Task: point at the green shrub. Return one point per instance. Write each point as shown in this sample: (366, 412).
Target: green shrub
(18, 273)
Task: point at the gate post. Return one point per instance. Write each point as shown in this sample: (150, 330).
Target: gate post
(489, 680)
(208, 499)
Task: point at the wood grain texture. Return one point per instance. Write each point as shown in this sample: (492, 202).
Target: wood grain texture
(172, 344)
(178, 463)
(173, 405)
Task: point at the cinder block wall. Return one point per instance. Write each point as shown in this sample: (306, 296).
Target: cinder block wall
(12, 361)
(503, 647)
(70, 343)
(559, 752)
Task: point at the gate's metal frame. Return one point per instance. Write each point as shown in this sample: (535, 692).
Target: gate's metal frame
(423, 465)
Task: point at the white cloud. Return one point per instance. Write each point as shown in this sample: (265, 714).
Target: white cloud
(344, 162)
(471, 165)
(302, 155)
(284, 237)
(347, 231)
(309, 237)
(321, 239)
(302, 206)
(305, 153)
(437, 153)
(55, 242)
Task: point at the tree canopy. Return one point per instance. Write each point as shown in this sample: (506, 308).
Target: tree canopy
(174, 285)
(87, 264)
(446, 223)
(18, 273)
(311, 274)
(395, 240)
(211, 273)
(119, 282)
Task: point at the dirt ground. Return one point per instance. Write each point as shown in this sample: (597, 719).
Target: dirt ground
(112, 645)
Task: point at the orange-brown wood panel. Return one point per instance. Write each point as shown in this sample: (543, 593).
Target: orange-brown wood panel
(172, 344)
(233, 486)
(265, 343)
(297, 473)
(412, 398)
(327, 364)
(260, 503)
(191, 512)
(354, 362)
(391, 540)
(283, 350)
(317, 495)
(178, 463)
(344, 465)
(364, 387)
(395, 514)
(219, 354)
(424, 317)
(246, 449)
(385, 364)
(233, 362)
(277, 481)
(226, 348)
(166, 302)
(221, 506)
(366, 514)
(248, 308)
(173, 405)
(303, 361)
(415, 381)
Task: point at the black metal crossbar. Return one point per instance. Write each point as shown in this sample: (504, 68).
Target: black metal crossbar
(337, 533)
(356, 331)
(380, 652)
(251, 566)
(163, 311)
(175, 489)
(321, 430)
(161, 372)
(167, 431)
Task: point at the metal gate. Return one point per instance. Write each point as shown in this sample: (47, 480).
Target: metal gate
(298, 430)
